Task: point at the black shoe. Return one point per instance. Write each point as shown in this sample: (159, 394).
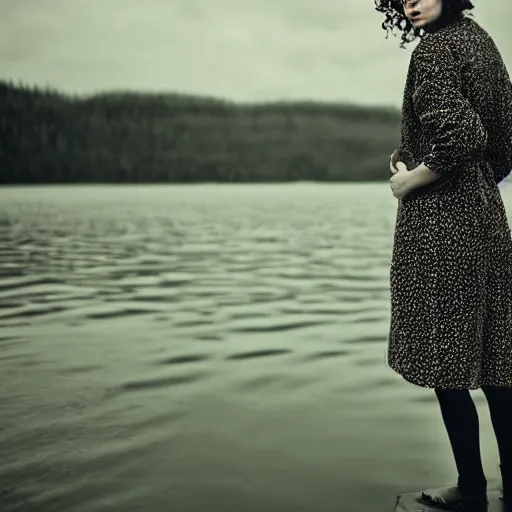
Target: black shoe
(451, 498)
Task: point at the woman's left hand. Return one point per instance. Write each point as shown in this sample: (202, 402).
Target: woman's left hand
(401, 182)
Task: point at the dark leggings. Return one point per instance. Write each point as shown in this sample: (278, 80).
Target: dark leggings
(461, 421)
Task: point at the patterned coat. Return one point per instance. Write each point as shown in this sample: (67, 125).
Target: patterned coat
(451, 268)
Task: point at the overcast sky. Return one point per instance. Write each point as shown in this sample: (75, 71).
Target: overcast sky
(244, 50)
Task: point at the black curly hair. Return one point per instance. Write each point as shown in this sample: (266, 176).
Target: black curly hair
(395, 17)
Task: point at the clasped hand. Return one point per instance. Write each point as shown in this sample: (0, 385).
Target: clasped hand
(401, 181)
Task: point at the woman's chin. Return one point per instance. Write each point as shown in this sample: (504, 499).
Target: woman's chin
(419, 23)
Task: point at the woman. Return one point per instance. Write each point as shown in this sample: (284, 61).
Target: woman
(451, 269)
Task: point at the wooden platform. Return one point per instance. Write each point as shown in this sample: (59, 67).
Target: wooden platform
(408, 502)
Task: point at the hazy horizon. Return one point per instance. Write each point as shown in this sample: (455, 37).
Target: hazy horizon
(239, 50)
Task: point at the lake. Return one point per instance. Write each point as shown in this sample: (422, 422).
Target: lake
(209, 347)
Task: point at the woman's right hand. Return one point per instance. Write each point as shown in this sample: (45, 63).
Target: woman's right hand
(392, 161)
(394, 164)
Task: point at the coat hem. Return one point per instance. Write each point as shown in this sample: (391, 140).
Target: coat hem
(430, 385)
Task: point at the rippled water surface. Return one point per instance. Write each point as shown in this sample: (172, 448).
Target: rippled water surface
(201, 348)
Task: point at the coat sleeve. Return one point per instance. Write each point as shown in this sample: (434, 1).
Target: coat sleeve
(451, 126)
(501, 159)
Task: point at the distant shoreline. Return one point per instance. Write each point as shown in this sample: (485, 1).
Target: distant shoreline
(48, 137)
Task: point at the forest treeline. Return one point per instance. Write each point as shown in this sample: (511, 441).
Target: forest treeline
(50, 137)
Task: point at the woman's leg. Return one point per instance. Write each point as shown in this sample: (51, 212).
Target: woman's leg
(461, 421)
(500, 407)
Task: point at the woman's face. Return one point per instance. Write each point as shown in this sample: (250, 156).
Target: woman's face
(422, 12)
